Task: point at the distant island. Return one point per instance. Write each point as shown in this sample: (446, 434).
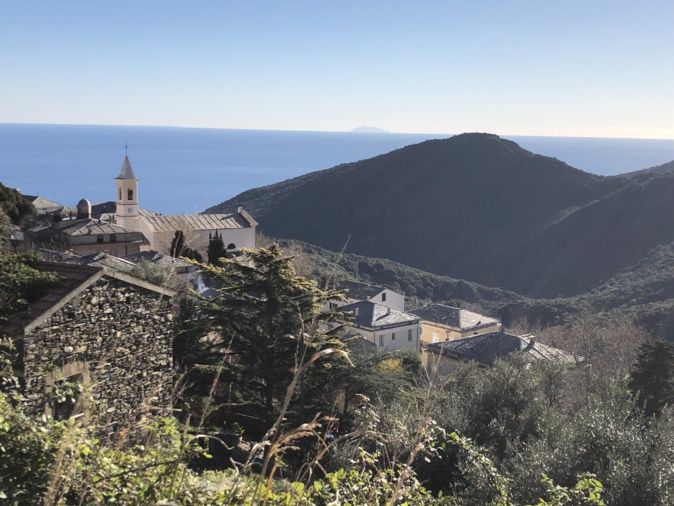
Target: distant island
(370, 130)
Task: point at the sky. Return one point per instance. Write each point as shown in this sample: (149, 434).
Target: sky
(520, 67)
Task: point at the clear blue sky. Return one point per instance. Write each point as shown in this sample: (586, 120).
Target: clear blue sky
(570, 68)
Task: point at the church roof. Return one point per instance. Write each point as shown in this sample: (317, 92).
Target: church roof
(127, 171)
(170, 223)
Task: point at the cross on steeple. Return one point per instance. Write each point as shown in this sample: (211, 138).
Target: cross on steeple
(126, 149)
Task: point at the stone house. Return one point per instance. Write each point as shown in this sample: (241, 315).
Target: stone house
(104, 331)
(385, 328)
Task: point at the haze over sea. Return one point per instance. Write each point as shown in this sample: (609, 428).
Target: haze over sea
(186, 170)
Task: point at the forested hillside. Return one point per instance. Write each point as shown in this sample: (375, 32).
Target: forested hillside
(476, 207)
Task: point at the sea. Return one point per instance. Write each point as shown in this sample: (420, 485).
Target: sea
(186, 170)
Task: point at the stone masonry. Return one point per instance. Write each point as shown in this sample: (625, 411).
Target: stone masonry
(118, 336)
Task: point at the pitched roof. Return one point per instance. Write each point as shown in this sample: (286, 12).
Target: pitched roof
(372, 315)
(102, 259)
(358, 290)
(170, 223)
(486, 348)
(126, 172)
(45, 206)
(92, 226)
(453, 316)
(160, 259)
(74, 279)
(98, 210)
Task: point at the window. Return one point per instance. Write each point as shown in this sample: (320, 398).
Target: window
(393, 336)
(129, 194)
(409, 335)
(120, 194)
(356, 311)
(383, 297)
(333, 305)
(99, 239)
(381, 340)
(231, 245)
(67, 403)
(113, 237)
(64, 390)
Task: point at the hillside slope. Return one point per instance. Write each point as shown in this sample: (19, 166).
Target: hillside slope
(475, 207)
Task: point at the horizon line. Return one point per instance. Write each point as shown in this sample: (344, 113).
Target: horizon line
(382, 133)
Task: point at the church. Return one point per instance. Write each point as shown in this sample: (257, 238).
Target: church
(236, 229)
(121, 227)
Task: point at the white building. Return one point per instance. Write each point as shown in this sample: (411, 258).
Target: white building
(356, 292)
(387, 329)
(237, 229)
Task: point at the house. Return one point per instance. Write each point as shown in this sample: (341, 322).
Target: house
(83, 235)
(237, 229)
(46, 207)
(103, 330)
(488, 347)
(356, 292)
(385, 328)
(440, 323)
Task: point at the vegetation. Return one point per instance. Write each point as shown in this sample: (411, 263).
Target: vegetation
(14, 205)
(21, 283)
(216, 249)
(326, 425)
(482, 209)
(179, 248)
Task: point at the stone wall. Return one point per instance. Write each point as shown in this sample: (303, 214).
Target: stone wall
(122, 335)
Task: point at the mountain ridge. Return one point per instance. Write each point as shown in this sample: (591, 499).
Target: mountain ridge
(476, 207)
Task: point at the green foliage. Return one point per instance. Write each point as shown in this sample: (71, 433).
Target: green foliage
(14, 205)
(179, 248)
(652, 379)
(267, 324)
(216, 249)
(21, 283)
(161, 275)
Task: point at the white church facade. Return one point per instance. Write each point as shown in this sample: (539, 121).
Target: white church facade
(237, 229)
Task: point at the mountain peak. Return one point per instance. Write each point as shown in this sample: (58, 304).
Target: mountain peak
(369, 130)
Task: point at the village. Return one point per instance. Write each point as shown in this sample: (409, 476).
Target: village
(104, 326)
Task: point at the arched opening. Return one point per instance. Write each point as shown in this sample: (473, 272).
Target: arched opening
(120, 194)
(231, 245)
(129, 194)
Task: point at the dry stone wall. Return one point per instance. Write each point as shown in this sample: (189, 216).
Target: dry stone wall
(122, 335)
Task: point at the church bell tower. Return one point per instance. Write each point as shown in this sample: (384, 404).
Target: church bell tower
(127, 196)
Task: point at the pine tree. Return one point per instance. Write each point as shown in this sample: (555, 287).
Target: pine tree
(269, 321)
(179, 248)
(652, 379)
(216, 249)
(177, 244)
